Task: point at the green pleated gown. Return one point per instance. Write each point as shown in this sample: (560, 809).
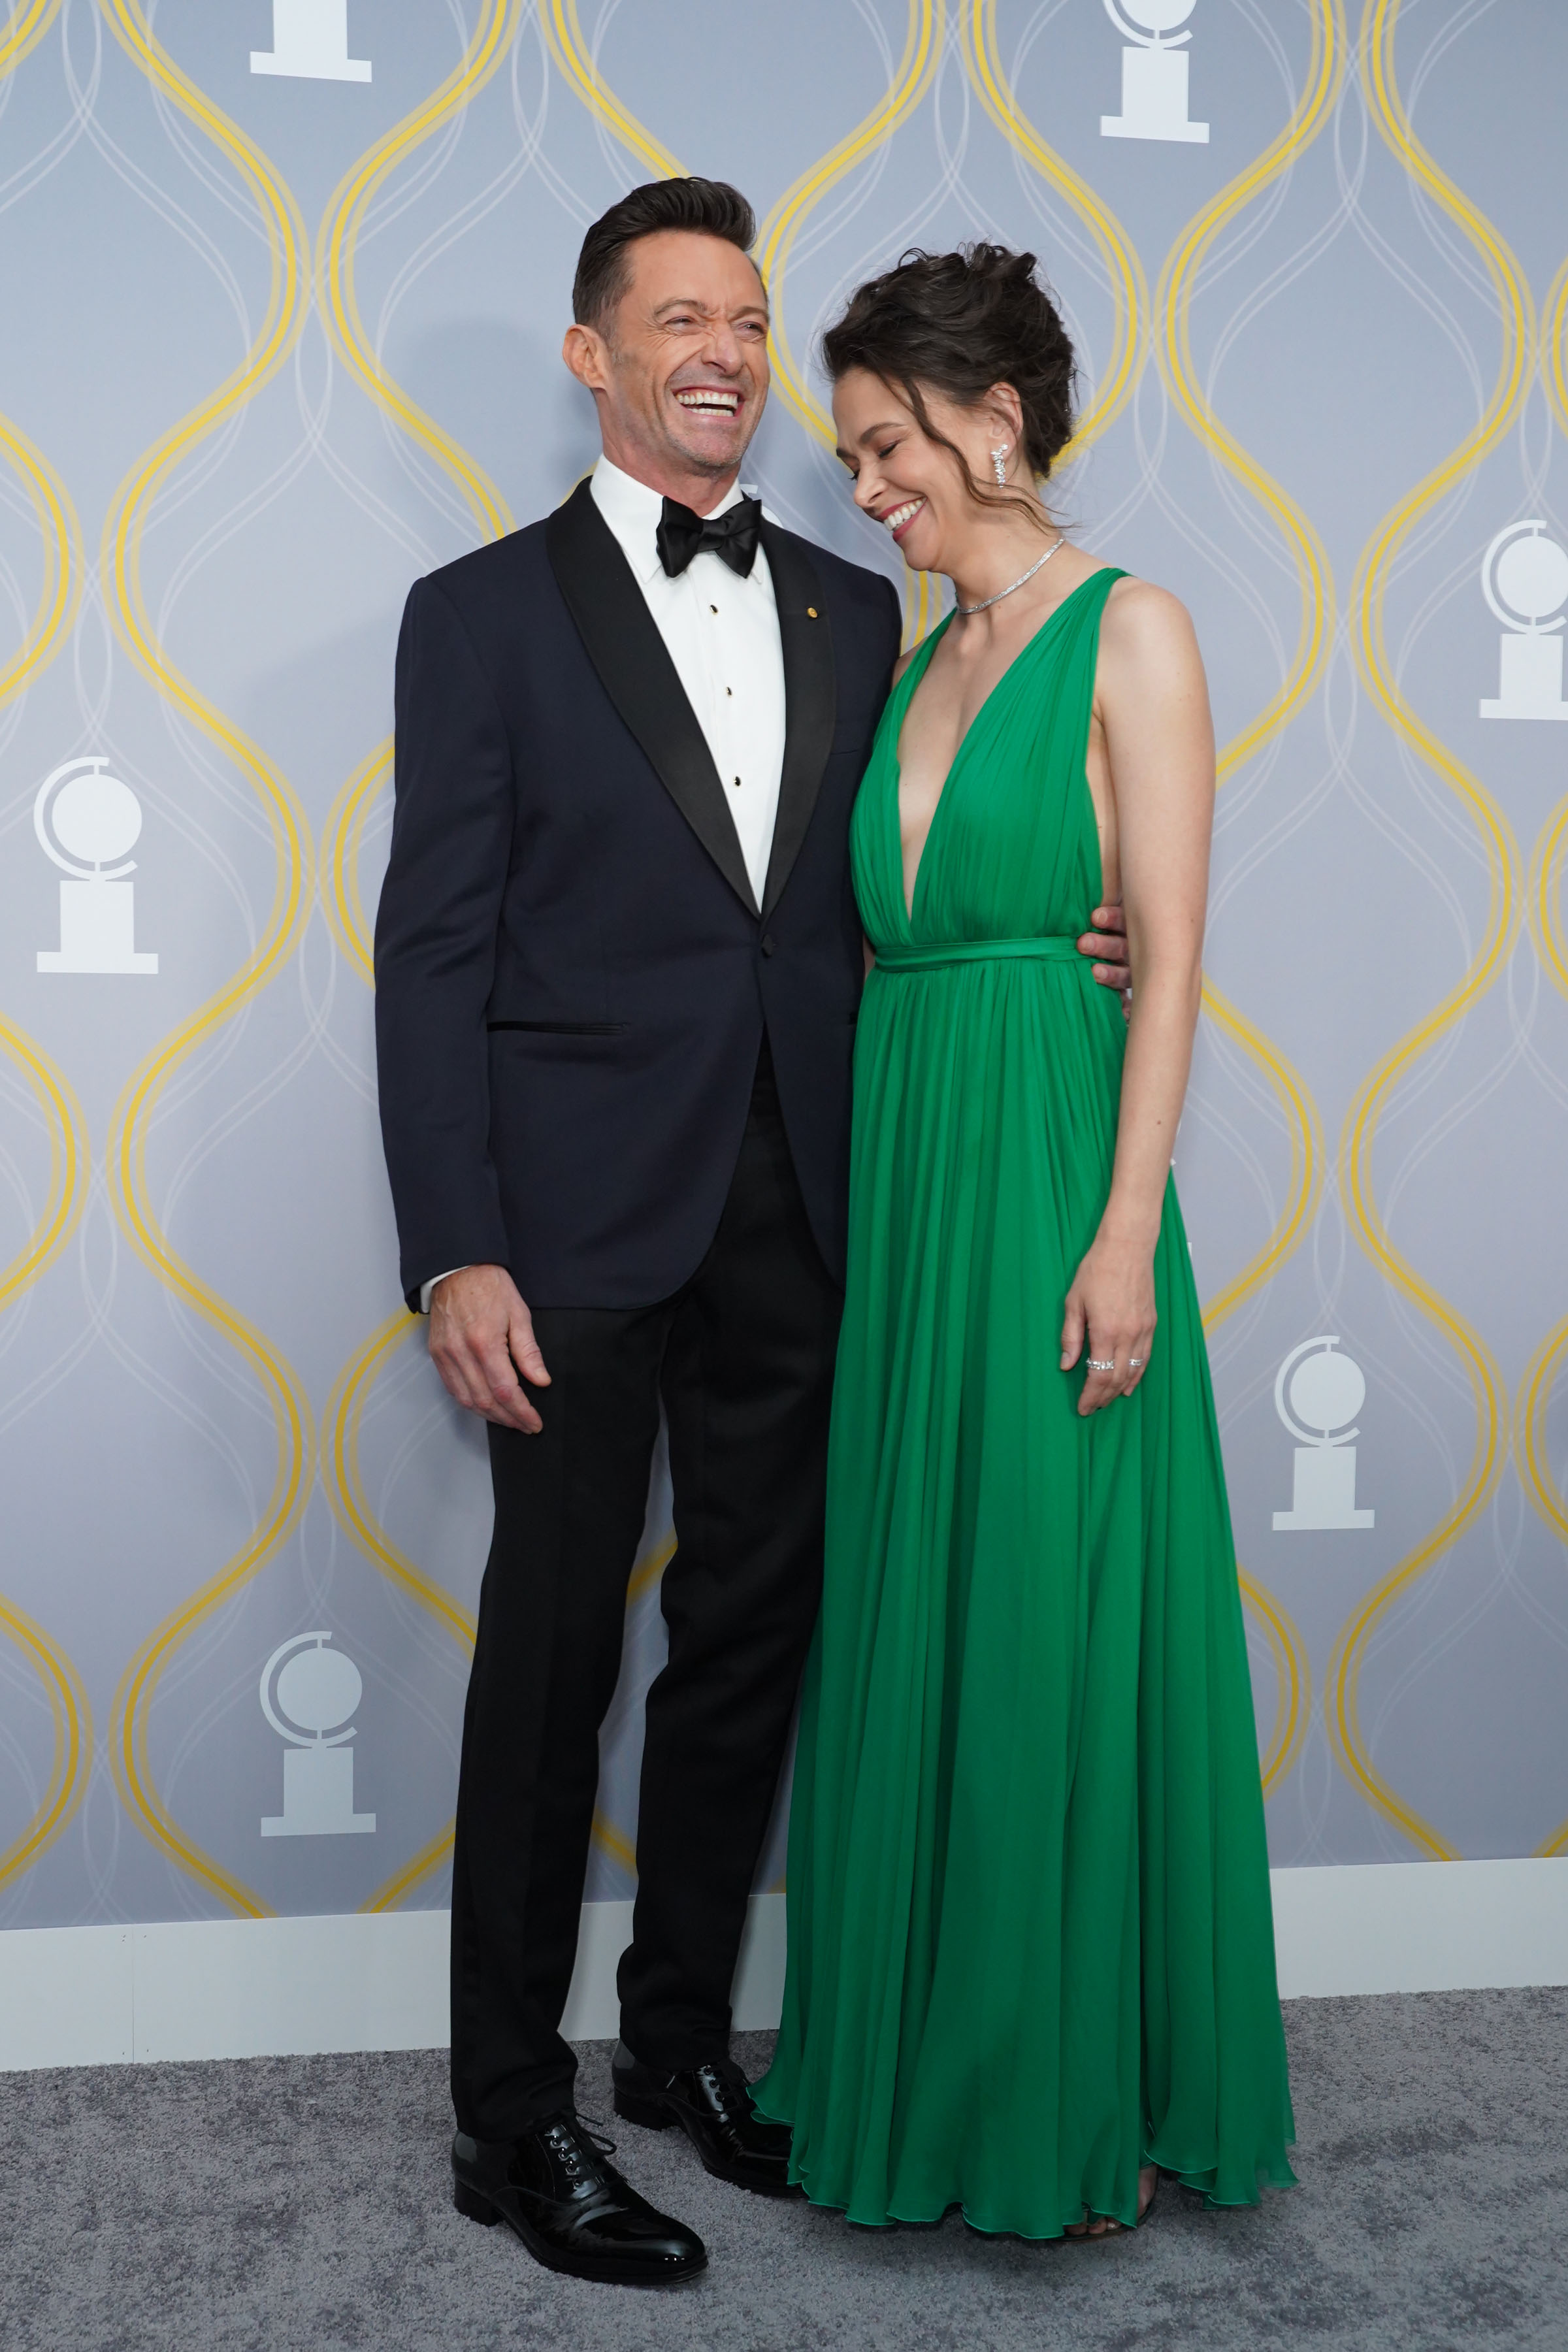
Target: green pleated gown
(1030, 1939)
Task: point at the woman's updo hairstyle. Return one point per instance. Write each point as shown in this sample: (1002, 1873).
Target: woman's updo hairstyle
(957, 323)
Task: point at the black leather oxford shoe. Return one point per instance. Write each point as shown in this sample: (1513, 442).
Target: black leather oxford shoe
(713, 2107)
(554, 2185)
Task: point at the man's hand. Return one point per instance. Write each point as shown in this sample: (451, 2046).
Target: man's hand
(481, 1336)
(1107, 943)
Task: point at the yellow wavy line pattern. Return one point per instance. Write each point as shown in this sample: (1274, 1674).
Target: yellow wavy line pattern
(341, 898)
(1287, 1648)
(564, 36)
(1307, 1155)
(58, 593)
(1535, 1471)
(1516, 316)
(1529, 1431)
(341, 839)
(1292, 1668)
(26, 26)
(344, 1488)
(69, 1162)
(326, 267)
(1544, 896)
(1123, 269)
(1173, 301)
(1288, 1651)
(923, 48)
(1129, 295)
(124, 528)
(336, 258)
(912, 77)
(1543, 900)
(59, 536)
(495, 28)
(411, 1874)
(73, 1741)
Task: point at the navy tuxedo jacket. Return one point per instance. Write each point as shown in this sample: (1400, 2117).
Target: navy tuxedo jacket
(573, 975)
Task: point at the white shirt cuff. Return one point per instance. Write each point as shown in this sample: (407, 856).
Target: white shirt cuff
(426, 1287)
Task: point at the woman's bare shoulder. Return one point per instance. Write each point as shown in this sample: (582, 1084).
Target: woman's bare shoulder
(901, 665)
(1143, 622)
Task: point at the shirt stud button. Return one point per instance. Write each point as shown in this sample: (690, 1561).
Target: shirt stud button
(811, 611)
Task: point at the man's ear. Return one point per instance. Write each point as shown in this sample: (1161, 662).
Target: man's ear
(586, 354)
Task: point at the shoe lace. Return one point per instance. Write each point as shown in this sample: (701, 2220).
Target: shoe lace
(597, 2135)
(727, 2089)
(566, 2139)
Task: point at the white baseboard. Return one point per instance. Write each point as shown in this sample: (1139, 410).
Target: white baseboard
(1421, 1926)
(276, 1988)
(273, 1987)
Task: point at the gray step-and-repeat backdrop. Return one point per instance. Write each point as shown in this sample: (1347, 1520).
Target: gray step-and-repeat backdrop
(282, 285)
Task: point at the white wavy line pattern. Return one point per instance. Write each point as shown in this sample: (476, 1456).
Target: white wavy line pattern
(1344, 330)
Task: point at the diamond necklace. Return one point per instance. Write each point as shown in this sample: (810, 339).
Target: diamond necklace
(1022, 580)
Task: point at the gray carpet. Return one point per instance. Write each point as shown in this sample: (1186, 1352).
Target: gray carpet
(302, 2202)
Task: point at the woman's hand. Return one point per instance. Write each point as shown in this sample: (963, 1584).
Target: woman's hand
(1111, 1306)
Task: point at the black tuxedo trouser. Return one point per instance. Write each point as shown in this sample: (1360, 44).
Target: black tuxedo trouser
(741, 1357)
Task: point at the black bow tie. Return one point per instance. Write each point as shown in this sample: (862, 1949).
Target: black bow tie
(732, 536)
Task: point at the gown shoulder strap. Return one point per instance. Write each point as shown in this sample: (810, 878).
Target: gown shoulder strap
(920, 657)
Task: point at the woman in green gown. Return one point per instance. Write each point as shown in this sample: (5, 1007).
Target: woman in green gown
(1031, 1955)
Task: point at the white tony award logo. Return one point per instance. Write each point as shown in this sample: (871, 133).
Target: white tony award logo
(311, 43)
(86, 820)
(1153, 73)
(1524, 579)
(307, 1693)
(1326, 1392)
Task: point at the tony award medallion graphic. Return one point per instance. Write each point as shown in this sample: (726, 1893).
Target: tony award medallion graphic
(86, 820)
(308, 1691)
(311, 43)
(1153, 73)
(1326, 1391)
(1524, 579)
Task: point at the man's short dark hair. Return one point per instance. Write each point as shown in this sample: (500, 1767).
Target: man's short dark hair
(709, 207)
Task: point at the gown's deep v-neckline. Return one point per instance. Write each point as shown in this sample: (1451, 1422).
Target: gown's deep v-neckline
(909, 687)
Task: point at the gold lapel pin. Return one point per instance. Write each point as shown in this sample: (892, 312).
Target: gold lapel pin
(811, 611)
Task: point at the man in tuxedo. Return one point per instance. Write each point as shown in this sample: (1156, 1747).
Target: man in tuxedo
(619, 963)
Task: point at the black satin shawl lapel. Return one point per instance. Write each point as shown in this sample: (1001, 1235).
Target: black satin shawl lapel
(810, 698)
(635, 668)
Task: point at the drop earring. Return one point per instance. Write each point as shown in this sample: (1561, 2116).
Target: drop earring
(999, 467)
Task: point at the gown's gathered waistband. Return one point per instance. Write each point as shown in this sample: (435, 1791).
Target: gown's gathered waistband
(930, 955)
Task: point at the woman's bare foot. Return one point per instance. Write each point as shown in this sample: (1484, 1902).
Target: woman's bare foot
(1102, 2225)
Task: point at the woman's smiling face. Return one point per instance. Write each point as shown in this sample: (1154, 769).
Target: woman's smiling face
(903, 479)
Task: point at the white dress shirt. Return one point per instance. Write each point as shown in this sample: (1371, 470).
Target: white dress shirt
(723, 635)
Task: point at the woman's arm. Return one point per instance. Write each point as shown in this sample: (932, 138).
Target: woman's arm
(1152, 700)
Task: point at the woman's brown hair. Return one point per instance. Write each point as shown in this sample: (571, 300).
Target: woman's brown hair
(958, 324)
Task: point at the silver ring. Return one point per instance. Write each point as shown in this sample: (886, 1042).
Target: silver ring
(1096, 1366)
(1134, 1363)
